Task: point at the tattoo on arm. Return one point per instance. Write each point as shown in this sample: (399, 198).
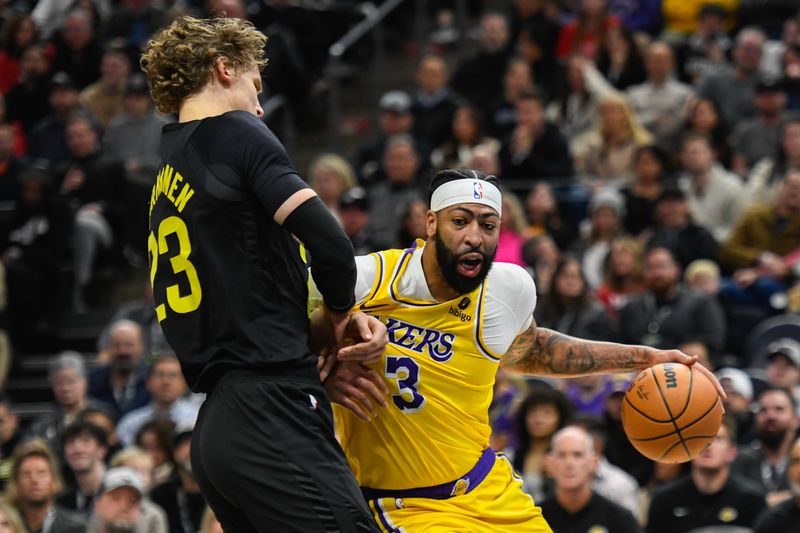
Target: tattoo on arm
(546, 352)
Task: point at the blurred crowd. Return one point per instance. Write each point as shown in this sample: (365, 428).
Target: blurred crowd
(649, 153)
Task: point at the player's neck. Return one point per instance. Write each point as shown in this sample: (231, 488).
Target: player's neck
(438, 286)
(211, 101)
(574, 501)
(709, 481)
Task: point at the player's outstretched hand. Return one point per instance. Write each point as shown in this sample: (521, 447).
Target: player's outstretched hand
(372, 335)
(677, 356)
(356, 387)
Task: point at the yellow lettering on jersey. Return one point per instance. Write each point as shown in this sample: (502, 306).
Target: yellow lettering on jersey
(174, 187)
(167, 185)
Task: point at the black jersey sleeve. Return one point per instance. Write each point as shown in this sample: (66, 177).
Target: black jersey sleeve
(262, 161)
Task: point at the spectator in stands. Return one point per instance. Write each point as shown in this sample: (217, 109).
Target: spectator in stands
(133, 137)
(512, 231)
(573, 108)
(610, 481)
(532, 16)
(705, 118)
(606, 154)
(50, 15)
(105, 98)
(791, 75)
(67, 376)
(412, 223)
(484, 158)
(11, 166)
(682, 17)
(48, 138)
(739, 388)
(330, 175)
(85, 451)
(395, 118)
(711, 496)
(544, 217)
(783, 366)
(140, 311)
(152, 519)
(388, 199)
(18, 33)
(434, 102)
(167, 388)
(26, 102)
(676, 231)
(96, 189)
(584, 35)
(479, 77)
(180, 496)
(10, 521)
(119, 502)
(716, 196)
(464, 133)
(760, 249)
(10, 437)
(785, 516)
(766, 177)
(622, 275)
(156, 439)
(576, 507)
(535, 149)
(135, 21)
(354, 214)
(588, 394)
(667, 313)
(570, 305)
(661, 103)
(534, 49)
(703, 52)
(620, 61)
(34, 246)
(607, 213)
(764, 463)
(100, 416)
(544, 411)
(77, 51)
(501, 114)
(121, 383)
(650, 167)
(757, 138)
(733, 89)
(33, 487)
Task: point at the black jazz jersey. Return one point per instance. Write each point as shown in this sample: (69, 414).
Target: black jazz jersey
(229, 283)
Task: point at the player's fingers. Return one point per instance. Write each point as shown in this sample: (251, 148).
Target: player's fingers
(363, 325)
(710, 375)
(369, 388)
(376, 378)
(355, 408)
(363, 352)
(354, 392)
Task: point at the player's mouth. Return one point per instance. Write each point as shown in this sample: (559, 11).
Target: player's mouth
(469, 265)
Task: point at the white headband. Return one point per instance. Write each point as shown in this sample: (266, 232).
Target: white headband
(467, 191)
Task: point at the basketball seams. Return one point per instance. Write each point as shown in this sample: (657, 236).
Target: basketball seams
(669, 411)
(688, 394)
(693, 422)
(627, 400)
(669, 450)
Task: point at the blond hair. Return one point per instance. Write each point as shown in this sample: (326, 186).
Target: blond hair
(12, 516)
(639, 133)
(515, 214)
(125, 456)
(36, 447)
(180, 60)
(336, 164)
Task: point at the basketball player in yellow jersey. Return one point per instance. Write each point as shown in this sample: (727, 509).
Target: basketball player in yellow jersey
(424, 462)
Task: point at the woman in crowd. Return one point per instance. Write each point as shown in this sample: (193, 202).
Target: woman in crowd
(10, 521)
(605, 223)
(705, 117)
(466, 132)
(544, 217)
(650, 166)
(622, 275)
(18, 32)
(620, 61)
(570, 306)
(155, 438)
(765, 178)
(543, 412)
(512, 231)
(412, 224)
(502, 114)
(330, 175)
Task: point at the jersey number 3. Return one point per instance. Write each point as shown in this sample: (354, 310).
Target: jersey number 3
(406, 372)
(156, 246)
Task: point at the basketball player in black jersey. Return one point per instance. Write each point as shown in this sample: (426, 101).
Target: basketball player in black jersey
(230, 289)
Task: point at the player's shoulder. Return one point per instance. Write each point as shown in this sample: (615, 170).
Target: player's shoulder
(508, 278)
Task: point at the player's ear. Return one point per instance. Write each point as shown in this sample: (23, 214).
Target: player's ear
(430, 224)
(223, 70)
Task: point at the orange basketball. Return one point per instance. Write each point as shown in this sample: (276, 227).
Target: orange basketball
(671, 413)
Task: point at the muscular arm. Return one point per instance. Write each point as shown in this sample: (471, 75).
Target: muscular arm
(543, 351)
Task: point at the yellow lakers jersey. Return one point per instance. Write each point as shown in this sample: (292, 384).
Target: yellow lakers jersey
(440, 375)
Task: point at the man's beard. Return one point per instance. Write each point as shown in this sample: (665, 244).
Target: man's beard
(448, 264)
(772, 438)
(121, 526)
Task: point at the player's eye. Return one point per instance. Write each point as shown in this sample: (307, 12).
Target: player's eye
(489, 226)
(459, 221)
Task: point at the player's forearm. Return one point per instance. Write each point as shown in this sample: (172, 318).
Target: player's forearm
(547, 352)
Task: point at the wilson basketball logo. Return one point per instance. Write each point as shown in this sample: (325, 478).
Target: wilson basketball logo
(670, 377)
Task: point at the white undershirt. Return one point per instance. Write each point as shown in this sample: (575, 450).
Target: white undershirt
(510, 296)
